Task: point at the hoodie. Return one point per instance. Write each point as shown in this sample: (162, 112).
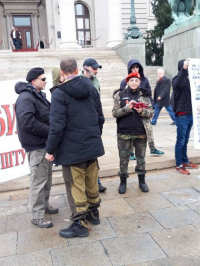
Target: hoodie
(182, 91)
(32, 113)
(144, 81)
(74, 135)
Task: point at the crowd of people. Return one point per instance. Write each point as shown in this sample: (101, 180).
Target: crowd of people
(68, 132)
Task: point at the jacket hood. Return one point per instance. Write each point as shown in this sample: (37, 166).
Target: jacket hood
(131, 63)
(23, 86)
(180, 64)
(79, 87)
(56, 76)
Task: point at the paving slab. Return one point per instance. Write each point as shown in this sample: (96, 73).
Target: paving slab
(146, 202)
(182, 182)
(132, 249)
(190, 260)
(155, 186)
(134, 223)
(182, 196)
(12, 207)
(40, 258)
(112, 193)
(19, 222)
(8, 244)
(86, 254)
(195, 207)
(101, 231)
(178, 241)
(176, 216)
(3, 222)
(114, 207)
(63, 214)
(40, 239)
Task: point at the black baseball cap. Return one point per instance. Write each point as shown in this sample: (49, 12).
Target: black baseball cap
(91, 62)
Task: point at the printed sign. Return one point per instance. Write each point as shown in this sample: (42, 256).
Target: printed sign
(13, 159)
(194, 76)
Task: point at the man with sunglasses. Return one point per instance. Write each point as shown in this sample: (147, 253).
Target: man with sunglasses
(32, 112)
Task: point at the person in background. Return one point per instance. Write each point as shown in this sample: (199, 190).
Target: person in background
(132, 128)
(183, 115)
(162, 96)
(90, 70)
(134, 66)
(15, 38)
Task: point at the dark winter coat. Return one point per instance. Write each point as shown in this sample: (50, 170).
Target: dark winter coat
(144, 81)
(75, 134)
(162, 90)
(32, 112)
(181, 91)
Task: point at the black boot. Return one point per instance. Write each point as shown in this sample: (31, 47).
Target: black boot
(93, 216)
(122, 186)
(142, 184)
(101, 188)
(75, 229)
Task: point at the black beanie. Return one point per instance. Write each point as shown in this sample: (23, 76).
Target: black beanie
(34, 73)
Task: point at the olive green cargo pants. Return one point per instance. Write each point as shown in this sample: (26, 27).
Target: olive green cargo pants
(82, 188)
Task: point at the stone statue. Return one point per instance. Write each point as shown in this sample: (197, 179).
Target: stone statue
(197, 8)
(181, 8)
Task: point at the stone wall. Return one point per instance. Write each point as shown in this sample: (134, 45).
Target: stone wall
(181, 44)
(132, 48)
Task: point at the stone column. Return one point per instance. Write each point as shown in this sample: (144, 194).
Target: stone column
(67, 24)
(8, 24)
(114, 22)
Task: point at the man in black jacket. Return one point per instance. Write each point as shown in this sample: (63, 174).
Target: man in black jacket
(74, 142)
(32, 112)
(162, 96)
(184, 118)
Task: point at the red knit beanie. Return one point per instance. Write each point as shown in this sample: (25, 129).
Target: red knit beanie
(133, 75)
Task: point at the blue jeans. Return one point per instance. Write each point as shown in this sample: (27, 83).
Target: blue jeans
(184, 124)
(157, 112)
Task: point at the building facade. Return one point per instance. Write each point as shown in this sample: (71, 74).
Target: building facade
(67, 23)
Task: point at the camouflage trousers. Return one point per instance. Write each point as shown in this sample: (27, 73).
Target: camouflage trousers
(125, 146)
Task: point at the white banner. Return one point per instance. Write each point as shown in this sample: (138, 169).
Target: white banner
(13, 159)
(194, 76)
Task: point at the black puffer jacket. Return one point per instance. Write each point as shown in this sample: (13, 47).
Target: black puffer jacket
(32, 112)
(75, 135)
(181, 90)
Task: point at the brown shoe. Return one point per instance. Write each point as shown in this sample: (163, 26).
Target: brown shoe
(190, 165)
(182, 170)
(42, 223)
(51, 210)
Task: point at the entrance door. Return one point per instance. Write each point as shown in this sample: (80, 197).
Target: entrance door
(24, 26)
(82, 24)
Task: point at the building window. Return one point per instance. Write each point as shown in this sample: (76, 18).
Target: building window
(82, 24)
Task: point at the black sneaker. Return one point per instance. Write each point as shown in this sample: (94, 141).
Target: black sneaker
(93, 216)
(76, 229)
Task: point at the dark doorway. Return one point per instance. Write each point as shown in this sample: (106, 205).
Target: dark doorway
(24, 26)
(82, 24)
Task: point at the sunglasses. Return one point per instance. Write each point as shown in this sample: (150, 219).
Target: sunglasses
(44, 79)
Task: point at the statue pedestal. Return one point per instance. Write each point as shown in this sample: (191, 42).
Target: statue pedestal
(131, 49)
(181, 43)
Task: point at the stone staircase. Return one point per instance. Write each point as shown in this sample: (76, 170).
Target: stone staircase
(16, 66)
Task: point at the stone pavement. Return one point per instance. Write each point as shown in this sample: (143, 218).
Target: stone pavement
(159, 228)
